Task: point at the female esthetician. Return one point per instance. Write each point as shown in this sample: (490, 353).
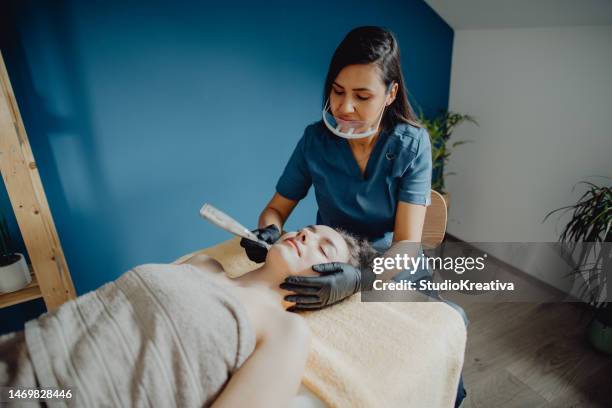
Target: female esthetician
(368, 160)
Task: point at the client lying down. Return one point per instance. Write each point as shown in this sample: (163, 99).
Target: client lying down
(179, 335)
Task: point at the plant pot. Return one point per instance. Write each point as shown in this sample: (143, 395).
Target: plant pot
(600, 336)
(14, 276)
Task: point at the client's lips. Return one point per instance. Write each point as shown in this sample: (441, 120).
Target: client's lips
(292, 242)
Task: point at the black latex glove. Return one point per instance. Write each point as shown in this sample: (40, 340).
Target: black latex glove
(256, 251)
(335, 282)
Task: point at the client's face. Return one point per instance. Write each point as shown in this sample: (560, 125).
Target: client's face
(295, 252)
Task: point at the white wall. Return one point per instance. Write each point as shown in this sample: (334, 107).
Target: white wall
(543, 98)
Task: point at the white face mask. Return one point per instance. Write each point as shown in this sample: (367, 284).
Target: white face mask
(351, 129)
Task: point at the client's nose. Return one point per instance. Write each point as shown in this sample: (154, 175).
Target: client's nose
(303, 235)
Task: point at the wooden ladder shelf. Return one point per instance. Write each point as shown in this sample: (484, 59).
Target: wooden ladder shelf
(50, 276)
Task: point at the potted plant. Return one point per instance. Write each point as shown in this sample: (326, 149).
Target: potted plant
(440, 130)
(590, 230)
(14, 272)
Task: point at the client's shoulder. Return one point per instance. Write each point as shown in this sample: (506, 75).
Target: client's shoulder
(289, 325)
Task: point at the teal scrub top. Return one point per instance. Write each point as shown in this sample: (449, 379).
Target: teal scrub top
(399, 169)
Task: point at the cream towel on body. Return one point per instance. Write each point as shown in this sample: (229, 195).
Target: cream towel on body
(160, 335)
(393, 354)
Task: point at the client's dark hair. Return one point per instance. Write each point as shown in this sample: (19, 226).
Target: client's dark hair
(361, 252)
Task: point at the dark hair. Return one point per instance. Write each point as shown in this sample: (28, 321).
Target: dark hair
(367, 45)
(361, 252)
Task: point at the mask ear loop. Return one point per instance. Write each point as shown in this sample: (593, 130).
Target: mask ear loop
(388, 91)
(382, 111)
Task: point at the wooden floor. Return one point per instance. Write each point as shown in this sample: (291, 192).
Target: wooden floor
(532, 355)
(527, 355)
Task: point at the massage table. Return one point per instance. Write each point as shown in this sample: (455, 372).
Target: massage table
(372, 354)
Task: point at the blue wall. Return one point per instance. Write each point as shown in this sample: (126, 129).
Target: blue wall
(139, 113)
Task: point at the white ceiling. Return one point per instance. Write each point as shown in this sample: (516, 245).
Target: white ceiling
(474, 14)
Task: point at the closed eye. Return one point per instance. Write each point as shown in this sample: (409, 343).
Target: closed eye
(322, 251)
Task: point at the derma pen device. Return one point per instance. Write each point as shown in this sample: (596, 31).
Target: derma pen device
(224, 221)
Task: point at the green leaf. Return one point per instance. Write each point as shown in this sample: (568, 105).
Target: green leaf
(460, 142)
(440, 129)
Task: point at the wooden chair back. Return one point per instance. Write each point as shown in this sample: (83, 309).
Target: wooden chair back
(434, 228)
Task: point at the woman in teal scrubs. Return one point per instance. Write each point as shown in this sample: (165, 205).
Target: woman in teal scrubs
(377, 186)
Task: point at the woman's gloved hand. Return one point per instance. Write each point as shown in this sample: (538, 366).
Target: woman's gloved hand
(256, 251)
(337, 281)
